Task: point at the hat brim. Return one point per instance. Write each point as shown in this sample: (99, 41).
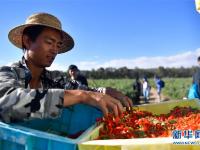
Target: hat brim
(15, 36)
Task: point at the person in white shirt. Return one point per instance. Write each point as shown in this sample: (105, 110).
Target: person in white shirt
(146, 89)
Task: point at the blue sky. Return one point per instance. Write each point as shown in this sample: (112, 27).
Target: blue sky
(113, 33)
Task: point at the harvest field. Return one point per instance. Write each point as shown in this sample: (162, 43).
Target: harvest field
(175, 88)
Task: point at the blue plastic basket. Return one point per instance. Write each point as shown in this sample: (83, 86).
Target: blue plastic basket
(34, 134)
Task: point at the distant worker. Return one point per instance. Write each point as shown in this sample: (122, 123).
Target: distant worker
(146, 90)
(137, 87)
(194, 91)
(159, 85)
(76, 79)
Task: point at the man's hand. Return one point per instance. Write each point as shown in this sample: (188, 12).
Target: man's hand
(126, 101)
(100, 100)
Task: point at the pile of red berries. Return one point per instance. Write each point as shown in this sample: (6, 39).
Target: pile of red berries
(141, 124)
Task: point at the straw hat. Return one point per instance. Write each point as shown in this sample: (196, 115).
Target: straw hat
(44, 19)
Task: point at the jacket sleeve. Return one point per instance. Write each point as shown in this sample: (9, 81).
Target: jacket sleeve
(18, 103)
(76, 85)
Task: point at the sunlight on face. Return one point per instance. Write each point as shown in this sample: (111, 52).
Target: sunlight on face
(43, 51)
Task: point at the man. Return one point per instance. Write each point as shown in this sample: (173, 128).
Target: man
(28, 90)
(76, 80)
(146, 89)
(75, 74)
(196, 80)
(137, 90)
(159, 85)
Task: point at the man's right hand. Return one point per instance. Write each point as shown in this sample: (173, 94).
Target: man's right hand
(102, 101)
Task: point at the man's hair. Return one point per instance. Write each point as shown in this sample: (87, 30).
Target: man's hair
(32, 32)
(198, 59)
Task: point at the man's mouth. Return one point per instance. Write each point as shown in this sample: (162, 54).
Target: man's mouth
(50, 58)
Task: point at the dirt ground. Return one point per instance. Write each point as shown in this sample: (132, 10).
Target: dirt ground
(154, 97)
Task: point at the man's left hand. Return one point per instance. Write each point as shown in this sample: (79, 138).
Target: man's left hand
(126, 101)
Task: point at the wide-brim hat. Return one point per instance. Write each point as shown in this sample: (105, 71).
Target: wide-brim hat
(42, 19)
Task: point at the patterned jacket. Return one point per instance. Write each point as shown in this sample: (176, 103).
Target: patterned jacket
(19, 102)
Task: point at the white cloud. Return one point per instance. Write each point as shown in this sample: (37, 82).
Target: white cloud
(185, 59)
(88, 65)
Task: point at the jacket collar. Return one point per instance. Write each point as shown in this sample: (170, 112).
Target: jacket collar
(28, 75)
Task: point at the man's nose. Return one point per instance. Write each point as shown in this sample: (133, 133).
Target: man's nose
(54, 49)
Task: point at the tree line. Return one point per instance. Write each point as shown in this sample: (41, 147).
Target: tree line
(124, 72)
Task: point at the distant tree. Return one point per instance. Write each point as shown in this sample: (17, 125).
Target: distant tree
(124, 72)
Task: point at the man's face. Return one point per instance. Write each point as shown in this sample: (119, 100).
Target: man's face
(199, 62)
(44, 49)
(73, 73)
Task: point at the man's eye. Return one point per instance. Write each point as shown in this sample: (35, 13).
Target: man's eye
(48, 41)
(59, 46)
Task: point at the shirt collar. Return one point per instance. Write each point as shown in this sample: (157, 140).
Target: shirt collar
(28, 75)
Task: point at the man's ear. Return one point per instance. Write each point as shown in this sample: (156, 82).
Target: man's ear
(26, 41)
